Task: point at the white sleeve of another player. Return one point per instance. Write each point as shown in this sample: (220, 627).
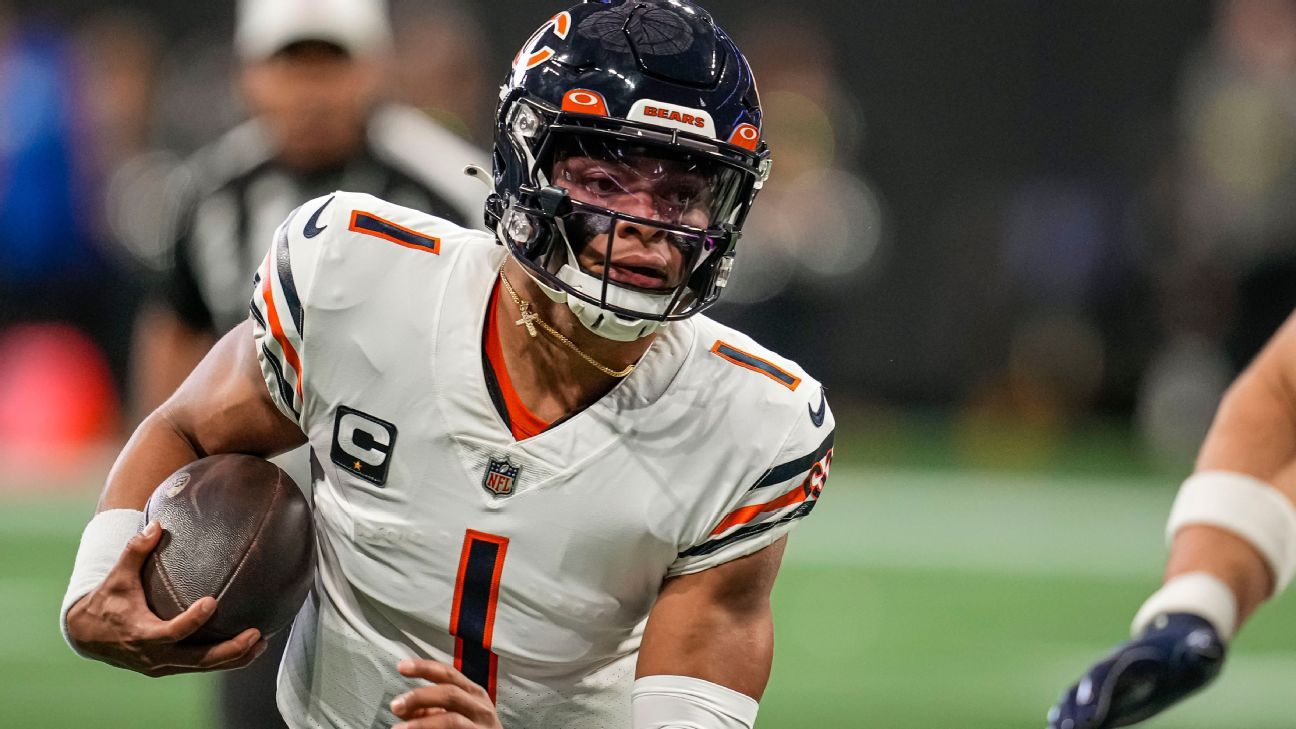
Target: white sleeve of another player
(769, 508)
(281, 288)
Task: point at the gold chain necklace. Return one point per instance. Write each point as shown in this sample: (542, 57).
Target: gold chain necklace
(530, 319)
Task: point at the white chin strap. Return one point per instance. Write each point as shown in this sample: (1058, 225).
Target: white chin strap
(600, 321)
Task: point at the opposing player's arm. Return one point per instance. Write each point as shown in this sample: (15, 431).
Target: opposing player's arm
(1233, 530)
(1254, 434)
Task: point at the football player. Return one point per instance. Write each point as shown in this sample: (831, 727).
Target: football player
(1233, 545)
(549, 492)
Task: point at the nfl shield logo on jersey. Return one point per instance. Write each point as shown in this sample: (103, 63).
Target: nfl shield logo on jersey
(500, 477)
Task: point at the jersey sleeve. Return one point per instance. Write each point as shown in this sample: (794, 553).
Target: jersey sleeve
(279, 306)
(770, 506)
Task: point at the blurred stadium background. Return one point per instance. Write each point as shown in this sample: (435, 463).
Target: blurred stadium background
(1026, 244)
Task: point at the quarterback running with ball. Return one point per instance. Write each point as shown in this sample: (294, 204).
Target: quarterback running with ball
(548, 491)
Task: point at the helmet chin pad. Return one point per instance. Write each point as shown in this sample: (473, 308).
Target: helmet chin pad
(598, 320)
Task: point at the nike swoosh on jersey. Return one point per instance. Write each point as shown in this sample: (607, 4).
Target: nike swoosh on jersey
(817, 416)
(312, 228)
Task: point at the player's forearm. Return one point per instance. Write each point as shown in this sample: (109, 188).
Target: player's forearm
(732, 648)
(716, 625)
(155, 451)
(1231, 559)
(736, 651)
(702, 663)
(1254, 434)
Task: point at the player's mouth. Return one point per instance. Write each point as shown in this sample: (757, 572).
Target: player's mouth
(633, 269)
(640, 277)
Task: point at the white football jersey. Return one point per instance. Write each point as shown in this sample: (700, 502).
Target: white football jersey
(529, 565)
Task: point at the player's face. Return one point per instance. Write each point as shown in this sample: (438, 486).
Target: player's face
(641, 256)
(314, 99)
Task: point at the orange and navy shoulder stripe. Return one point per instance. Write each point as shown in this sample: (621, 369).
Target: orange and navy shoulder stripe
(276, 329)
(808, 474)
(372, 225)
(283, 266)
(283, 269)
(277, 310)
(750, 361)
(794, 468)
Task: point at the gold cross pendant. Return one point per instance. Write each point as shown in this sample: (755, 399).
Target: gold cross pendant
(528, 317)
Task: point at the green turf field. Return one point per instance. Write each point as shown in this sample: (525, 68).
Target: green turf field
(910, 600)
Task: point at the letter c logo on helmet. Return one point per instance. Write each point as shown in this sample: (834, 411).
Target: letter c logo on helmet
(530, 57)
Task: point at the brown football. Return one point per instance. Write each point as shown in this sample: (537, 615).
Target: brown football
(238, 529)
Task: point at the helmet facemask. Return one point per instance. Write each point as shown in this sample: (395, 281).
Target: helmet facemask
(630, 224)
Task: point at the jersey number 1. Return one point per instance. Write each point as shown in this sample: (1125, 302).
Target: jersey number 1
(472, 618)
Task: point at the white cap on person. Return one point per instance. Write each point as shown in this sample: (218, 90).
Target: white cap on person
(265, 27)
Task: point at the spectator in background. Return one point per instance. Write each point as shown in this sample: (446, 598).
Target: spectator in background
(440, 66)
(314, 84)
(1231, 278)
(313, 76)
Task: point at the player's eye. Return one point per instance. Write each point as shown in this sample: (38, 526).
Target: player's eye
(683, 196)
(602, 185)
(679, 200)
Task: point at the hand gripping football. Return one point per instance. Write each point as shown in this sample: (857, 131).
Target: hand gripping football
(238, 529)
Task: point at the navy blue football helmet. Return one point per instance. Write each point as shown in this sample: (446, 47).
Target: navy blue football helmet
(621, 116)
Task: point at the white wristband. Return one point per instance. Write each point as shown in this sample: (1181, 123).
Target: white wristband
(102, 543)
(683, 702)
(1247, 507)
(1199, 593)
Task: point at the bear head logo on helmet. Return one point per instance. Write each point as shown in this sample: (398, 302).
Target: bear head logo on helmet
(628, 151)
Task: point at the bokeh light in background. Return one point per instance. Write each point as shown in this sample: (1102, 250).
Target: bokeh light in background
(819, 222)
(1014, 238)
(56, 398)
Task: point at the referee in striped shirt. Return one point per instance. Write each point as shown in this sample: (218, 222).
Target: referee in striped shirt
(312, 76)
